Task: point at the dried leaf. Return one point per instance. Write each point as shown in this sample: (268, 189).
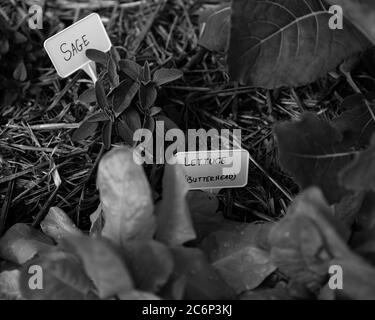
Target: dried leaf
(273, 41)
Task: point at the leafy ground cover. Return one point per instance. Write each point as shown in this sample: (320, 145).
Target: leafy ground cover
(74, 202)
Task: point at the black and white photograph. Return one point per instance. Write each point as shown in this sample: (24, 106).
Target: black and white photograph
(187, 156)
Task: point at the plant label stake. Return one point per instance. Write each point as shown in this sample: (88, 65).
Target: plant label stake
(67, 48)
(217, 169)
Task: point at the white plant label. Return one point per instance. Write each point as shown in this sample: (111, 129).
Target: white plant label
(216, 169)
(67, 48)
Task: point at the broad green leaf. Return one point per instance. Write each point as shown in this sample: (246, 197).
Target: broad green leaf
(215, 28)
(279, 292)
(203, 207)
(147, 95)
(202, 280)
(360, 174)
(112, 72)
(146, 73)
(238, 252)
(115, 55)
(9, 285)
(85, 130)
(307, 239)
(168, 123)
(103, 264)
(58, 225)
(20, 73)
(107, 134)
(22, 242)
(98, 117)
(356, 123)
(97, 221)
(123, 95)
(361, 13)
(97, 56)
(287, 43)
(126, 197)
(128, 123)
(132, 69)
(4, 45)
(150, 264)
(63, 278)
(19, 38)
(139, 295)
(163, 76)
(101, 97)
(88, 96)
(174, 224)
(311, 150)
